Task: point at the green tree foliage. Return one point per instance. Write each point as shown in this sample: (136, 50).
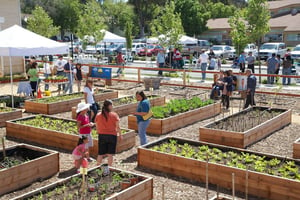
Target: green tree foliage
(258, 15)
(91, 23)
(168, 23)
(220, 10)
(65, 13)
(144, 10)
(193, 15)
(117, 14)
(41, 23)
(128, 34)
(238, 32)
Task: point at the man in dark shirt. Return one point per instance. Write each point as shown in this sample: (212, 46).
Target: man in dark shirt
(251, 86)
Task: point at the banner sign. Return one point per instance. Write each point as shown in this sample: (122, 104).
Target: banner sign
(100, 72)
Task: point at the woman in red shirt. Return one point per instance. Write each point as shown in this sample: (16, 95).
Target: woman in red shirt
(108, 128)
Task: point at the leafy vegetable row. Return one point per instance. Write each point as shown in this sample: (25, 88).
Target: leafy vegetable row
(253, 162)
(177, 106)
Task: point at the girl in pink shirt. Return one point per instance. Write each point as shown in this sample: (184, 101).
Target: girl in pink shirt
(80, 151)
(83, 123)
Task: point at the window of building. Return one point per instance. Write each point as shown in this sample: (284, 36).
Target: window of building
(273, 38)
(293, 37)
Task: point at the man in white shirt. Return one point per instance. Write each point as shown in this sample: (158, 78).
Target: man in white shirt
(203, 60)
(59, 65)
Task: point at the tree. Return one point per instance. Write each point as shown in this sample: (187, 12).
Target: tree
(168, 23)
(258, 16)
(117, 14)
(128, 34)
(144, 10)
(91, 23)
(65, 13)
(41, 23)
(220, 10)
(239, 34)
(193, 15)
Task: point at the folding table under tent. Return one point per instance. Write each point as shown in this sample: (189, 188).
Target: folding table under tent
(17, 41)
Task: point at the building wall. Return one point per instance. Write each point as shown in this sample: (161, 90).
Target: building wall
(292, 38)
(10, 10)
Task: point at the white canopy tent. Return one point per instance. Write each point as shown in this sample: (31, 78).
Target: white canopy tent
(111, 37)
(17, 41)
(183, 39)
(187, 40)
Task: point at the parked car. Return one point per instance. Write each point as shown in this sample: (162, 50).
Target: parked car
(90, 49)
(296, 52)
(232, 53)
(150, 50)
(114, 48)
(251, 48)
(195, 49)
(221, 51)
(267, 49)
(136, 47)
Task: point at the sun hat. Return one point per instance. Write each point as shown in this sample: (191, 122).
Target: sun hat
(82, 106)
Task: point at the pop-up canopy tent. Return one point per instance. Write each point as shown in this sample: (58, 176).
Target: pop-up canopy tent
(187, 40)
(17, 41)
(111, 37)
(183, 39)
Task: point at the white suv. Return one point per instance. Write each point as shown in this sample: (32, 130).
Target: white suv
(136, 47)
(267, 49)
(296, 52)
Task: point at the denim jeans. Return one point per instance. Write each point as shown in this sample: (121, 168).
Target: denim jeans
(70, 83)
(286, 71)
(142, 127)
(203, 69)
(160, 65)
(216, 89)
(46, 84)
(61, 73)
(271, 78)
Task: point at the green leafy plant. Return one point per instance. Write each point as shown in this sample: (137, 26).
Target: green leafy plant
(241, 160)
(177, 106)
(59, 125)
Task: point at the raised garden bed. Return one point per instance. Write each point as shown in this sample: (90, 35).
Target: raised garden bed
(126, 105)
(59, 132)
(97, 187)
(63, 103)
(178, 113)
(296, 149)
(246, 127)
(25, 164)
(263, 175)
(8, 113)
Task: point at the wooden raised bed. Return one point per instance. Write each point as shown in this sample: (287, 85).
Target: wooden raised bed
(42, 164)
(259, 184)
(6, 116)
(296, 149)
(245, 137)
(59, 139)
(142, 190)
(163, 126)
(127, 109)
(64, 106)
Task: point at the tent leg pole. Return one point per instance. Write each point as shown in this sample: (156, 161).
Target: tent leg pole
(11, 83)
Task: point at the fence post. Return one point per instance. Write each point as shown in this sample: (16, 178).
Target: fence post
(139, 75)
(184, 78)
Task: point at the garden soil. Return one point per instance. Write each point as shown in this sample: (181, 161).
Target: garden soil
(177, 188)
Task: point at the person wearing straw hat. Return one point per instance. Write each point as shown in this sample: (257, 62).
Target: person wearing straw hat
(83, 123)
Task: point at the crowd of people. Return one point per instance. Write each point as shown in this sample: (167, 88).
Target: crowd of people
(60, 68)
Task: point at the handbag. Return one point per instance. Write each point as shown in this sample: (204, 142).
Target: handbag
(148, 115)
